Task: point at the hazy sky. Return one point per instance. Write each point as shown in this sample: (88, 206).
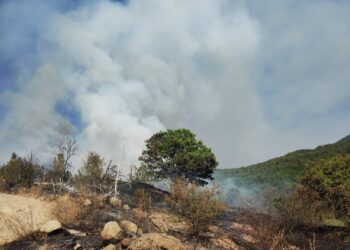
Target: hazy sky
(253, 79)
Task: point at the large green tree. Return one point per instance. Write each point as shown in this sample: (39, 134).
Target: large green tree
(175, 154)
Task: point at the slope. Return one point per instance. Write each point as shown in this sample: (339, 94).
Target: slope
(281, 172)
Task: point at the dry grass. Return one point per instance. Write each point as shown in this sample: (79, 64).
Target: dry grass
(199, 205)
(17, 227)
(142, 199)
(67, 209)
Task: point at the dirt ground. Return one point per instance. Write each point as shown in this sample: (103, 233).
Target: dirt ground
(26, 211)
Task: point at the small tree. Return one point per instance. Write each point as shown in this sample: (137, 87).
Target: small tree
(66, 151)
(177, 153)
(96, 172)
(57, 172)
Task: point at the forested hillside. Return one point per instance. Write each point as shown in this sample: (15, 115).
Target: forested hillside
(282, 172)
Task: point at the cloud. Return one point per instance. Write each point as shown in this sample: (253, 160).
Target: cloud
(251, 79)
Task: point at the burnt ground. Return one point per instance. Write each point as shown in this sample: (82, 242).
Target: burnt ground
(92, 222)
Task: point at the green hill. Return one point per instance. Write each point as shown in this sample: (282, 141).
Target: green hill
(281, 172)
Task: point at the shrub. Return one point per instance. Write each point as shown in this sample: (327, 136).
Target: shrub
(67, 210)
(294, 210)
(328, 181)
(324, 194)
(142, 199)
(199, 205)
(19, 172)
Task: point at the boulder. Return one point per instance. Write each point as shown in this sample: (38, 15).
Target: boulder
(224, 243)
(126, 207)
(77, 246)
(166, 222)
(110, 247)
(114, 201)
(111, 230)
(50, 226)
(126, 242)
(155, 241)
(76, 233)
(130, 227)
(87, 202)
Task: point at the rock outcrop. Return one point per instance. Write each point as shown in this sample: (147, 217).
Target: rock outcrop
(111, 230)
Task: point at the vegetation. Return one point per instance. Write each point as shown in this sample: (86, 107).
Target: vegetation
(324, 194)
(67, 209)
(319, 195)
(142, 199)
(61, 164)
(96, 172)
(327, 181)
(177, 153)
(284, 172)
(19, 172)
(199, 205)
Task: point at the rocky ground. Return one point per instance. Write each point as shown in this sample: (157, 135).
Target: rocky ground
(109, 223)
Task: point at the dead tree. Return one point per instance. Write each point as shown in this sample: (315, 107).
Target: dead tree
(67, 149)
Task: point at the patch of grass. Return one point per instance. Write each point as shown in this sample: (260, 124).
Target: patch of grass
(67, 209)
(17, 227)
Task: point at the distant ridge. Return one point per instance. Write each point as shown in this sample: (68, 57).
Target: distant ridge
(346, 138)
(281, 172)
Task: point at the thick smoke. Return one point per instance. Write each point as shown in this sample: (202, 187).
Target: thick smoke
(128, 71)
(253, 79)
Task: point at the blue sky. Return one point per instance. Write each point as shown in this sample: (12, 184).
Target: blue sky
(253, 79)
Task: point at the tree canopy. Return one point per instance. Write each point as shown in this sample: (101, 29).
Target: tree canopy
(177, 153)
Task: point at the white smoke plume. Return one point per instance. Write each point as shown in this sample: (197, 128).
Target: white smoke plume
(253, 79)
(130, 71)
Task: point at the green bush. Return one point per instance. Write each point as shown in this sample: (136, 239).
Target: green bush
(324, 194)
(328, 181)
(19, 172)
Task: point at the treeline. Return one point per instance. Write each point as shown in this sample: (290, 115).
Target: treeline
(175, 155)
(94, 172)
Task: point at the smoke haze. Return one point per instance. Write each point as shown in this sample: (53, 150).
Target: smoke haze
(114, 73)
